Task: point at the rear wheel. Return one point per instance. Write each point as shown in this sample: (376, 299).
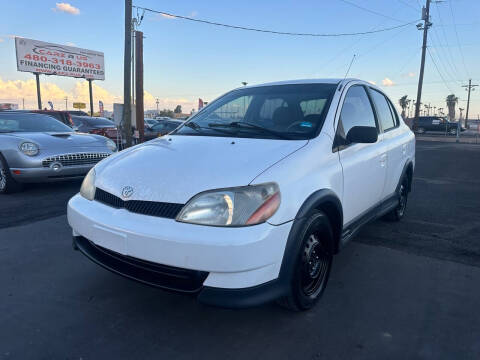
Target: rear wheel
(312, 265)
(398, 213)
(7, 183)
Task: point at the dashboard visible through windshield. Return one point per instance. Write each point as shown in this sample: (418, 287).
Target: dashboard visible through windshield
(278, 111)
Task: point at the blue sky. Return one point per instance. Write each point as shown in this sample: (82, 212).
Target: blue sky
(184, 60)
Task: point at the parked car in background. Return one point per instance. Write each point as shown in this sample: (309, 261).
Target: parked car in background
(164, 127)
(63, 116)
(38, 148)
(435, 123)
(95, 125)
(249, 201)
(159, 128)
(77, 112)
(150, 122)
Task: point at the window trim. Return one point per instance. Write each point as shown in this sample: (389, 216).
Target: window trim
(339, 147)
(395, 118)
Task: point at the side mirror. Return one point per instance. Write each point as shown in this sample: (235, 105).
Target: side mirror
(362, 134)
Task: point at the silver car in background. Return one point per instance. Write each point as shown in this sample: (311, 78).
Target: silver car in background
(39, 148)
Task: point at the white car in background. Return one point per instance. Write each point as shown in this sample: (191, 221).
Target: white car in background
(249, 200)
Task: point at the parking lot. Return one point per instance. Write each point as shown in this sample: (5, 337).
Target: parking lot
(403, 290)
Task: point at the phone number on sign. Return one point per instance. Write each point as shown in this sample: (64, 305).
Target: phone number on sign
(62, 61)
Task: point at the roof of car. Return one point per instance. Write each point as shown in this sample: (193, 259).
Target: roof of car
(303, 81)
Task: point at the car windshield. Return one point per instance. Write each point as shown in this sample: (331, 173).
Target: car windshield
(27, 122)
(277, 112)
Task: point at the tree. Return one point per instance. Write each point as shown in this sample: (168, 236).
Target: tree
(451, 101)
(167, 113)
(178, 109)
(403, 104)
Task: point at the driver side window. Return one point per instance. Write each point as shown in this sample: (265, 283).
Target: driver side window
(356, 111)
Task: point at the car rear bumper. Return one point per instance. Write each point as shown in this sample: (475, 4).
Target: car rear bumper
(230, 265)
(45, 174)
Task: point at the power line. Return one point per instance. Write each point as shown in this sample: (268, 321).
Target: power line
(458, 41)
(370, 11)
(451, 63)
(409, 5)
(439, 73)
(273, 31)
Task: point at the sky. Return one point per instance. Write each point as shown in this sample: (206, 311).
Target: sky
(184, 60)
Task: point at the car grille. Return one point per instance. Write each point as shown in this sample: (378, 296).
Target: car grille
(152, 208)
(75, 159)
(163, 276)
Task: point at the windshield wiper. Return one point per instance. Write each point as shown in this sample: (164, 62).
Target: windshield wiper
(247, 125)
(193, 125)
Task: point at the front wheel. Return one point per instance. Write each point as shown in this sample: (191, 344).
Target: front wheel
(312, 265)
(7, 183)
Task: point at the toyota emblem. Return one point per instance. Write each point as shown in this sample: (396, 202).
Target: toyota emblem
(127, 191)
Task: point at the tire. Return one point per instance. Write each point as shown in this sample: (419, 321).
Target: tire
(420, 130)
(8, 184)
(398, 213)
(312, 265)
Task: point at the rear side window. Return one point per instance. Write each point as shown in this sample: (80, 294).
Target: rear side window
(383, 110)
(356, 111)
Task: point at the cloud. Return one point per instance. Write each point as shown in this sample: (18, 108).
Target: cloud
(387, 82)
(372, 82)
(1, 40)
(411, 74)
(69, 43)
(66, 7)
(15, 90)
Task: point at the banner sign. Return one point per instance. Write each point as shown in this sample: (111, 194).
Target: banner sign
(46, 58)
(79, 105)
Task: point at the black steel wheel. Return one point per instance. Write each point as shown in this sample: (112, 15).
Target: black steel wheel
(398, 213)
(313, 263)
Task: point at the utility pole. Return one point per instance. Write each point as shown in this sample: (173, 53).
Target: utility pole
(425, 26)
(469, 88)
(139, 84)
(39, 96)
(66, 99)
(23, 103)
(127, 59)
(157, 102)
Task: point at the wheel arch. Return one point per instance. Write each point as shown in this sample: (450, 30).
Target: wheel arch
(324, 200)
(407, 171)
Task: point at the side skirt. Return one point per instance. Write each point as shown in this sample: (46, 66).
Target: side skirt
(375, 212)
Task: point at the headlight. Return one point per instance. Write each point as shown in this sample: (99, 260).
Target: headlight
(111, 145)
(87, 190)
(29, 148)
(240, 206)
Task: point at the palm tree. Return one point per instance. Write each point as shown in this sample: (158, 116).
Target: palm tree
(403, 104)
(451, 101)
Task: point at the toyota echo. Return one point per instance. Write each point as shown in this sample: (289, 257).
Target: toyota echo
(249, 200)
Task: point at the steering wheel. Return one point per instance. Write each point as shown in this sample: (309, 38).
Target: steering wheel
(295, 123)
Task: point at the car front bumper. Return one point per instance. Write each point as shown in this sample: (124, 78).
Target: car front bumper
(225, 266)
(45, 174)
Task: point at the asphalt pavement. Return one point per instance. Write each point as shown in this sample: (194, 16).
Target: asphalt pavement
(405, 290)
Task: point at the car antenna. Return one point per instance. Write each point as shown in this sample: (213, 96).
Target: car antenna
(349, 66)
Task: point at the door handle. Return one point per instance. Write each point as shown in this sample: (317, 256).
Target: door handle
(383, 159)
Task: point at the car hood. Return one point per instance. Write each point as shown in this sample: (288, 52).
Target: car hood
(62, 140)
(175, 168)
